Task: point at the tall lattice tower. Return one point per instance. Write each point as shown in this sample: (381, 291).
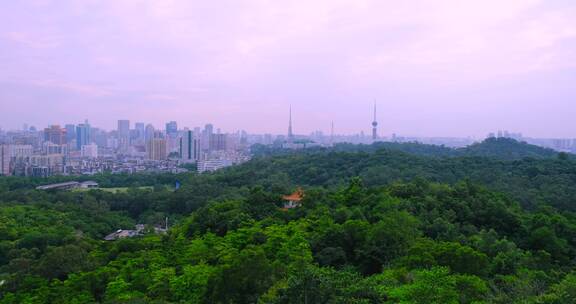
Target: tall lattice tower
(290, 134)
(374, 125)
(332, 134)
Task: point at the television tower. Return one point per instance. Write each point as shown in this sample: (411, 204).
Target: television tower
(332, 134)
(290, 134)
(374, 125)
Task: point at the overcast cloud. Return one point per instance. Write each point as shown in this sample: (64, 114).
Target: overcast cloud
(435, 67)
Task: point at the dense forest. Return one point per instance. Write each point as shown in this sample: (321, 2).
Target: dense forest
(383, 223)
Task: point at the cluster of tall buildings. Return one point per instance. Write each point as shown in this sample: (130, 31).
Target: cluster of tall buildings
(558, 144)
(33, 153)
(506, 134)
(81, 147)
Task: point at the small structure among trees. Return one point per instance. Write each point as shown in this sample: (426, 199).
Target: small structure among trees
(293, 200)
(69, 185)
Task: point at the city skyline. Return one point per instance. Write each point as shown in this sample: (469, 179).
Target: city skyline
(436, 68)
(373, 132)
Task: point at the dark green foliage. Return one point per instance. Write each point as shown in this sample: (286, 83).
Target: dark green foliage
(531, 175)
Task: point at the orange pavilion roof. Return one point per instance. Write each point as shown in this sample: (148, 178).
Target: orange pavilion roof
(295, 197)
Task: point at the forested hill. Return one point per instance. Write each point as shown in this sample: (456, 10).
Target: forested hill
(376, 225)
(498, 148)
(531, 181)
(506, 148)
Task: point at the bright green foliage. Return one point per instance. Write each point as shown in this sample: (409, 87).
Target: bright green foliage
(437, 285)
(459, 258)
(563, 292)
(192, 285)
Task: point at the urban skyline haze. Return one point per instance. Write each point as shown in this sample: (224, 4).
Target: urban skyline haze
(436, 68)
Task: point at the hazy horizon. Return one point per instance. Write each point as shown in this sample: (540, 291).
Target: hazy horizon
(436, 68)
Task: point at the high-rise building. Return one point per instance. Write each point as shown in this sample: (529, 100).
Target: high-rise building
(149, 133)
(232, 142)
(83, 135)
(209, 129)
(140, 129)
(124, 128)
(98, 137)
(5, 160)
(70, 132)
(374, 125)
(156, 148)
(189, 147)
(206, 135)
(218, 142)
(172, 129)
(55, 135)
(29, 138)
(124, 135)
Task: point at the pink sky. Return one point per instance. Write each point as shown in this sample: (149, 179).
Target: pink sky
(435, 67)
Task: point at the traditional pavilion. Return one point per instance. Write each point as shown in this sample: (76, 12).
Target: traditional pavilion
(293, 200)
